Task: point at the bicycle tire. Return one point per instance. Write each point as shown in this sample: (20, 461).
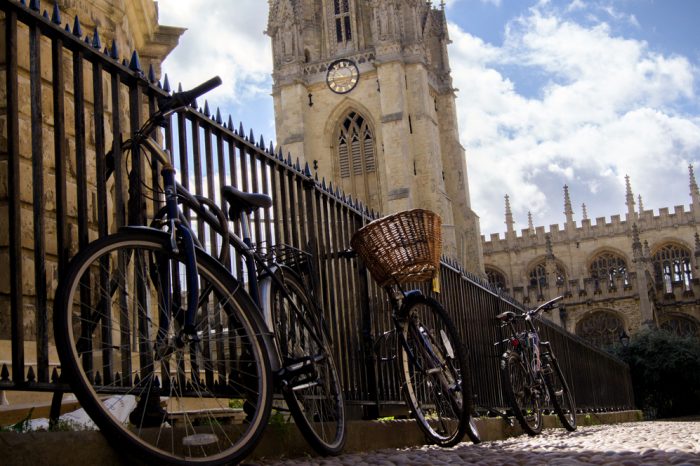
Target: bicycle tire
(560, 395)
(314, 396)
(523, 398)
(174, 416)
(435, 372)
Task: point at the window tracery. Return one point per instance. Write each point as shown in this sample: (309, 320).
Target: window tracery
(496, 278)
(356, 157)
(601, 329)
(609, 268)
(672, 266)
(681, 325)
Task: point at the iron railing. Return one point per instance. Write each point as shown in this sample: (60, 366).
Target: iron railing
(66, 103)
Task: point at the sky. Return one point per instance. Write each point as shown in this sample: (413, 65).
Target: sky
(550, 93)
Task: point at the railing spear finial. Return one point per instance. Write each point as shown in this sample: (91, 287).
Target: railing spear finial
(230, 123)
(96, 42)
(151, 74)
(77, 30)
(56, 15)
(241, 132)
(135, 63)
(113, 51)
(218, 116)
(262, 143)
(166, 83)
(34, 5)
(251, 138)
(45, 15)
(206, 108)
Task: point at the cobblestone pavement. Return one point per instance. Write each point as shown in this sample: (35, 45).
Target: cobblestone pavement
(629, 444)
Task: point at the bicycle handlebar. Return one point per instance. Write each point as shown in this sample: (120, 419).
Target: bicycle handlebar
(551, 304)
(185, 98)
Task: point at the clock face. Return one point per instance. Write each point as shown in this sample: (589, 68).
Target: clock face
(342, 76)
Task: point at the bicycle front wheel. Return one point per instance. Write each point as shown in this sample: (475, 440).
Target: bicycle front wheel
(153, 391)
(311, 384)
(559, 393)
(522, 392)
(435, 373)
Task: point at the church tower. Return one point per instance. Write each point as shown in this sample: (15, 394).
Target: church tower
(363, 93)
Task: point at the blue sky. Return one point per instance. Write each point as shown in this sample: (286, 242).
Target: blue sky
(575, 92)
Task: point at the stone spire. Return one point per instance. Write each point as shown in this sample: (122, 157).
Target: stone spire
(530, 225)
(549, 250)
(584, 211)
(637, 251)
(568, 211)
(694, 194)
(631, 214)
(697, 246)
(510, 230)
(641, 204)
(640, 259)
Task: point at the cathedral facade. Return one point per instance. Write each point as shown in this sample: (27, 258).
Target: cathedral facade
(362, 93)
(617, 276)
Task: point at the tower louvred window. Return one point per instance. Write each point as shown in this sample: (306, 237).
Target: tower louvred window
(343, 30)
(357, 157)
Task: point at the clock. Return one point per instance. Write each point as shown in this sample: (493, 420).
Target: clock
(342, 76)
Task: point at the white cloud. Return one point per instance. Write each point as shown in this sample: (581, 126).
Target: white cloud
(608, 106)
(220, 40)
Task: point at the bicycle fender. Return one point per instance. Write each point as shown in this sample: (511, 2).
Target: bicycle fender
(411, 298)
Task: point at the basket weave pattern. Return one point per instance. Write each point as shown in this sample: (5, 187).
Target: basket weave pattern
(403, 247)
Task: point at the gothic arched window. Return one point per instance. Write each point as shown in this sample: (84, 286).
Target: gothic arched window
(357, 159)
(601, 329)
(681, 325)
(539, 279)
(496, 278)
(608, 268)
(341, 12)
(671, 266)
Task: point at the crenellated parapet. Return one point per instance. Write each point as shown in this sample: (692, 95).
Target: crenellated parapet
(588, 230)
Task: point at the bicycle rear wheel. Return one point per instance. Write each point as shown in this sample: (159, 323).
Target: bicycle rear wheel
(435, 373)
(183, 400)
(559, 393)
(522, 392)
(311, 384)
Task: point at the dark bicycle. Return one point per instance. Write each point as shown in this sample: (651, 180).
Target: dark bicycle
(151, 326)
(405, 248)
(531, 376)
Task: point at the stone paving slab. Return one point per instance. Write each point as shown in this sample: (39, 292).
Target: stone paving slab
(675, 442)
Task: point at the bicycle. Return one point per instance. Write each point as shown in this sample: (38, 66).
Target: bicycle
(531, 375)
(402, 248)
(147, 321)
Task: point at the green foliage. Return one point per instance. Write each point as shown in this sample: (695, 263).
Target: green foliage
(665, 372)
(20, 427)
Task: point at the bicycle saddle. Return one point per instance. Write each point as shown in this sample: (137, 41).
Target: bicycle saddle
(506, 316)
(240, 201)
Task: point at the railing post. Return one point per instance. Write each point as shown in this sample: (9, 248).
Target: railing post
(372, 389)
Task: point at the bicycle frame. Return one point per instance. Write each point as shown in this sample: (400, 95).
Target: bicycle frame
(260, 290)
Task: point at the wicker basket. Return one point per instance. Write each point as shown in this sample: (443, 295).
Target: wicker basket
(403, 247)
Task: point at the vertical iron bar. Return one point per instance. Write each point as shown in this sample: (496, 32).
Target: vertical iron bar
(14, 208)
(102, 221)
(42, 318)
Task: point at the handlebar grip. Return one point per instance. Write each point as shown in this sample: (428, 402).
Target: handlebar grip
(189, 96)
(185, 98)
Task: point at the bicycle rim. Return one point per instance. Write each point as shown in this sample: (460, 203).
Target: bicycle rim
(197, 402)
(435, 373)
(313, 394)
(562, 400)
(523, 395)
